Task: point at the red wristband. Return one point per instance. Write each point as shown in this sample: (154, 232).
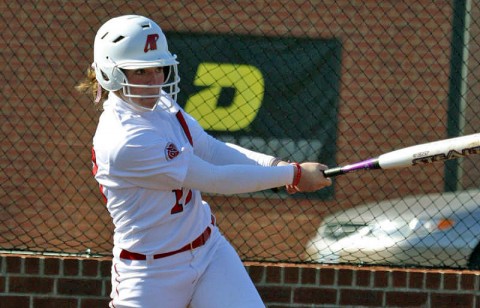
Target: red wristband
(296, 177)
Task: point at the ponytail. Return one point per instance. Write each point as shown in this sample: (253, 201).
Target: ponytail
(90, 86)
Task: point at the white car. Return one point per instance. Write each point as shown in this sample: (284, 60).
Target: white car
(429, 230)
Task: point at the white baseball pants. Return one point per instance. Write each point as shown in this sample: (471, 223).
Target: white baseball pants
(211, 276)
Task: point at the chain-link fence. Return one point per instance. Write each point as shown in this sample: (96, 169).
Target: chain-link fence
(333, 81)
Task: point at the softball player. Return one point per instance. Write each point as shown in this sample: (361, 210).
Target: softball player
(152, 160)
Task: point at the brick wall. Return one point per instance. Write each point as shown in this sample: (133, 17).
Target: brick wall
(32, 281)
(46, 282)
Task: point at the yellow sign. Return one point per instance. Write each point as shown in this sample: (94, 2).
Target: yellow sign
(249, 88)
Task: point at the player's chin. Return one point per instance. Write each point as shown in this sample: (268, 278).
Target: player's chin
(147, 102)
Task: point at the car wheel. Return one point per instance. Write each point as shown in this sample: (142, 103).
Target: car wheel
(474, 260)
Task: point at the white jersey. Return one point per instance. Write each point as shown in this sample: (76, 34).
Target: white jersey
(140, 162)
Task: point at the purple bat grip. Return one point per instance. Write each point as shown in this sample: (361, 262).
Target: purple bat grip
(371, 163)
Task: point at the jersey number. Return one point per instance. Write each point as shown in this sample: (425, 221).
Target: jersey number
(178, 207)
(95, 170)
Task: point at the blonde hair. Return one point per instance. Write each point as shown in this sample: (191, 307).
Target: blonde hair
(90, 86)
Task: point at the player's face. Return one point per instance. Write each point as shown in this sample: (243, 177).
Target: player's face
(145, 76)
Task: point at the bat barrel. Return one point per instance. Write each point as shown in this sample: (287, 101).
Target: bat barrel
(418, 154)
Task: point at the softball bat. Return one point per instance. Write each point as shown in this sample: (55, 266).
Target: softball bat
(425, 153)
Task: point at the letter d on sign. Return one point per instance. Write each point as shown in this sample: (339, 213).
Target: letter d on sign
(249, 88)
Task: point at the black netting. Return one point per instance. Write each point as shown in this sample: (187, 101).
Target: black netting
(330, 81)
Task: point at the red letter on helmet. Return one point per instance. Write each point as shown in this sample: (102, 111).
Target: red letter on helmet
(151, 43)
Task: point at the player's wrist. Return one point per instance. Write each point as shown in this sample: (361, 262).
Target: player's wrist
(297, 174)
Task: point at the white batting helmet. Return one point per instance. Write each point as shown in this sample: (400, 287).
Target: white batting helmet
(133, 42)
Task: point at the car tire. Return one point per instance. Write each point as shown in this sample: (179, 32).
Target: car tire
(474, 260)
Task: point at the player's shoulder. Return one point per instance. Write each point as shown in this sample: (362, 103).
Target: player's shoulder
(127, 126)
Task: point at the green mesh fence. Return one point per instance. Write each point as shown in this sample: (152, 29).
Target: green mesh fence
(330, 81)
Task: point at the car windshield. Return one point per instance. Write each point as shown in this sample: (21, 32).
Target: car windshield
(389, 228)
(381, 228)
(340, 230)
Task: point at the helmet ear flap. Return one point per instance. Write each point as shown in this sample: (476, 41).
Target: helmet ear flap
(118, 77)
(110, 78)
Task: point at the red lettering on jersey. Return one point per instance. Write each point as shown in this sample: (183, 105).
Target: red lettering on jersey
(178, 207)
(94, 162)
(151, 43)
(94, 172)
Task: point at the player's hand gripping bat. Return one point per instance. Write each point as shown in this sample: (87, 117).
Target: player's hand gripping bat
(414, 155)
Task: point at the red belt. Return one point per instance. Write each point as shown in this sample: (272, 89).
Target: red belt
(199, 241)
